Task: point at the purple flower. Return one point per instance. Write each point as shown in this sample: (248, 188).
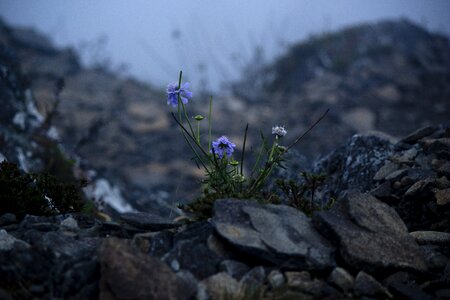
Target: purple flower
(222, 145)
(173, 92)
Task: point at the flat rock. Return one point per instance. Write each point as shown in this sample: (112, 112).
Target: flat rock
(148, 221)
(370, 235)
(368, 286)
(418, 134)
(8, 242)
(431, 238)
(275, 233)
(387, 169)
(127, 273)
(442, 196)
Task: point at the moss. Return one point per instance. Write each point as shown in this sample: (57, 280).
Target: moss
(36, 194)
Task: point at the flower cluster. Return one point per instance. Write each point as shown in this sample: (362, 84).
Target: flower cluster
(225, 176)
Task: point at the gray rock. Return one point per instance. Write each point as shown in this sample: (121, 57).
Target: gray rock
(342, 279)
(8, 242)
(220, 286)
(370, 234)
(420, 188)
(147, 221)
(431, 238)
(278, 234)
(442, 196)
(7, 219)
(434, 258)
(353, 166)
(190, 251)
(418, 134)
(276, 279)
(366, 285)
(254, 277)
(235, 269)
(70, 223)
(387, 169)
(130, 274)
(403, 286)
(303, 282)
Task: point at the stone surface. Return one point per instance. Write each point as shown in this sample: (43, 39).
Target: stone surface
(431, 238)
(220, 286)
(130, 274)
(70, 223)
(370, 235)
(276, 279)
(190, 251)
(235, 269)
(342, 279)
(147, 221)
(278, 234)
(418, 134)
(387, 169)
(8, 242)
(366, 285)
(7, 219)
(442, 197)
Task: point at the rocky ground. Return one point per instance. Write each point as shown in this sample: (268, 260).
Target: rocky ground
(388, 237)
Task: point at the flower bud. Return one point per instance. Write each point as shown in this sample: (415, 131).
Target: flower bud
(199, 117)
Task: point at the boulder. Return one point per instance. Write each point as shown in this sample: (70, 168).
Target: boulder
(370, 235)
(278, 234)
(130, 274)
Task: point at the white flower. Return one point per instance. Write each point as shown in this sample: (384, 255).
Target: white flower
(279, 131)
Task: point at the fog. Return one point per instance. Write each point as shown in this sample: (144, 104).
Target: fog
(212, 41)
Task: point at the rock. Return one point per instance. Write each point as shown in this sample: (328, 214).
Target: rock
(190, 251)
(382, 191)
(303, 282)
(413, 137)
(420, 188)
(7, 219)
(387, 169)
(130, 274)
(403, 286)
(142, 241)
(442, 197)
(161, 243)
(235, 269)
(366, 285)
(434, 258)
(396, 175)
(370, 235)
(276, 279)
(431, 238)
(255, 277)
(190, 282)
(8, 242)
(340, 278)
(70, 223)
(147, 221)
(220, 286)
(353, 166)
(275, 233)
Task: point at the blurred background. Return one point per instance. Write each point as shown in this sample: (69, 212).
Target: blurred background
(380, 66)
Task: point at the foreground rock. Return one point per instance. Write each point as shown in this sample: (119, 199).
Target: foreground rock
(370, 235)
(129, 274)
(278, 234)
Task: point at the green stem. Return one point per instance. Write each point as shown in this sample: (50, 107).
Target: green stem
(209, 124)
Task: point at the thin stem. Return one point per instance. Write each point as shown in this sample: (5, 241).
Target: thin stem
(209, 124)
(243, 150)
(198, 132)
(307, 131)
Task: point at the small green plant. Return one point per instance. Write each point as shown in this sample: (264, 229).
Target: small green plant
(36, 194)
(301, 195)
(225, 177)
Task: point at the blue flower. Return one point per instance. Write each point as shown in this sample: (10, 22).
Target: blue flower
(222, 145)
(173, 92)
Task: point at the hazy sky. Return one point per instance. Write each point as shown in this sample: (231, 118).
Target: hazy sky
(207, 39)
